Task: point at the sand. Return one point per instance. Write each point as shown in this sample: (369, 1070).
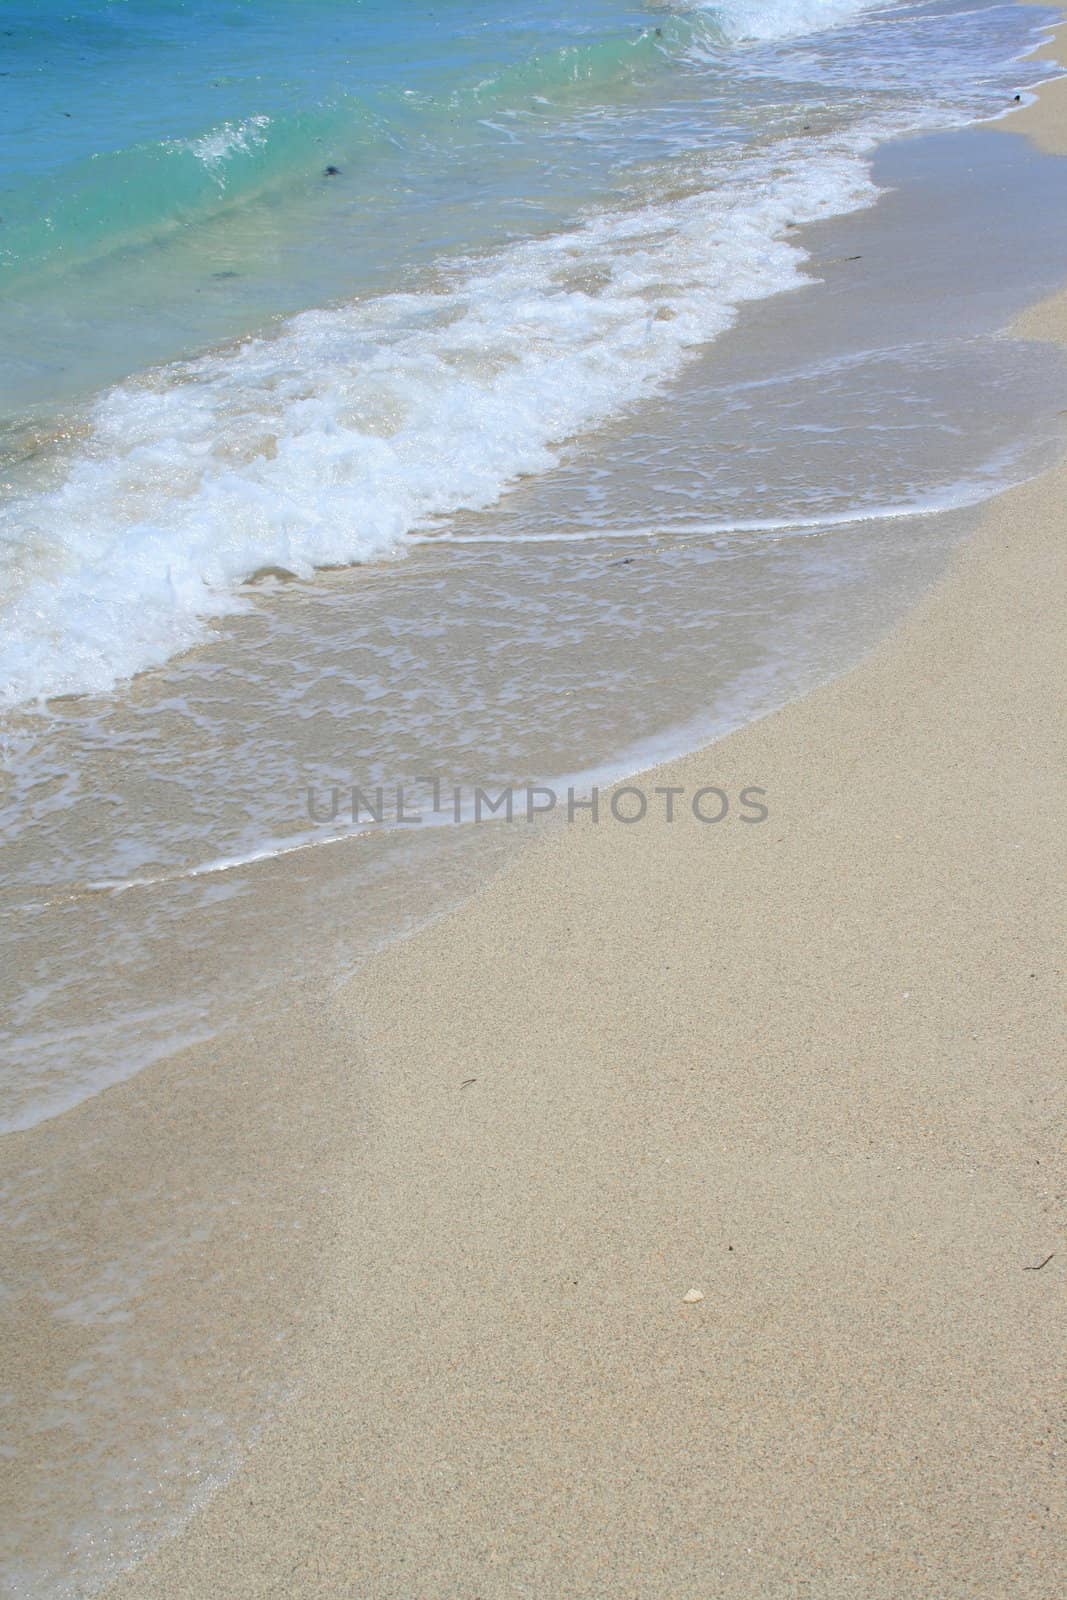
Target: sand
(1044, 122)
(810, 1067)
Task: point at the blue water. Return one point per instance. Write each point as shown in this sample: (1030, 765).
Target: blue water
(192, 140)
(164, 180)
(131, 119)
(523, 219)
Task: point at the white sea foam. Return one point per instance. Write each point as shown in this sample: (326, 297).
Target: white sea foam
(331, 442)
(781, 19)
(955, 498)
(231, 138)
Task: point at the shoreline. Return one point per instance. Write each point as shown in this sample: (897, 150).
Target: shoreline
(808, 1069)
(781, 613)
(501, 1320)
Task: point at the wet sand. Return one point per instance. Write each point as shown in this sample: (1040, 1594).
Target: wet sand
(809, 1067)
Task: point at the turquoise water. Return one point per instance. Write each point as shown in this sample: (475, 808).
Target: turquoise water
(168, 161)
(503, 226)
(130, 120)
(164, 183)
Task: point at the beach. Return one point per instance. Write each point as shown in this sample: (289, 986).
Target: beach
(810, 1068)
(663, 1202)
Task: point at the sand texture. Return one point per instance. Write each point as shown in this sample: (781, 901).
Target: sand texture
(811, 1067)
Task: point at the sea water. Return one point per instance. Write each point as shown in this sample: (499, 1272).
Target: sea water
(482, 393)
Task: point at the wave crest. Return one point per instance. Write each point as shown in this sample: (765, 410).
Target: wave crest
(330, 443)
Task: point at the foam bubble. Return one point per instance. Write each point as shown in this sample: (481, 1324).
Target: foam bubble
(232, 138)
(781, 19)
(331, 442)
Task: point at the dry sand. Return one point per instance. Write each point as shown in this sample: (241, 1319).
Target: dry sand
(809, 1067)
(1045, 121)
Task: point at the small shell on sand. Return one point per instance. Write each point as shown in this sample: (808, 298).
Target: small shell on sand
(693, 1296)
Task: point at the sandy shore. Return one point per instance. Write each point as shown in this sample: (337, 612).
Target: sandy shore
(808, 1067)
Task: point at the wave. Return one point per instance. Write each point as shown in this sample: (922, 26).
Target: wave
(330, 443)
(117, 198)
(957, 497)
(781, 19)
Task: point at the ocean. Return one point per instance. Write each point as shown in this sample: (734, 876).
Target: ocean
(219, 360)
(466, 393)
